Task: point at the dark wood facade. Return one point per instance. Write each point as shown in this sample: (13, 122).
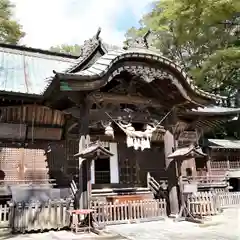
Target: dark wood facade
(40, 134)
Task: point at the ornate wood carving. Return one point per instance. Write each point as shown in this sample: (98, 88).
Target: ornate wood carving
(98, 115)
(109, 66)
(139, 42)
(118, 98)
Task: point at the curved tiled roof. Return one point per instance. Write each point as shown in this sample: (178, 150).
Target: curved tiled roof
(214, 110)
(103, 65)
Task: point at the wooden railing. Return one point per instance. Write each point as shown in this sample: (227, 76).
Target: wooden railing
(208, 180)
(152, 184)
(225, 165)
(108, 213)
(234, 165)
(155, 186)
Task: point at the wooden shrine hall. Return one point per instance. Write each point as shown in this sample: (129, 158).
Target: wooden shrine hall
(138, 105)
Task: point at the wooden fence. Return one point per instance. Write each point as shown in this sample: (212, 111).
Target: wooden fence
(211, 203)
(202, 204)
(36, 216)
(228, 199)
(4, 216)
(108, 213)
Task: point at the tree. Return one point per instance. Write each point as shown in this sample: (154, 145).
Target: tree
(68, 49)
(10, 31)
(200, 35)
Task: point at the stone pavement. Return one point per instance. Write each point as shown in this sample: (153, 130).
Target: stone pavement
(223, 227)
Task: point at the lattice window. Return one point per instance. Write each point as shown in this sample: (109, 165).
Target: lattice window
(35, 164)
(21, 164)
(9, 160)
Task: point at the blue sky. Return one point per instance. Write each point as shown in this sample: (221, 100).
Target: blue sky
(52, 22)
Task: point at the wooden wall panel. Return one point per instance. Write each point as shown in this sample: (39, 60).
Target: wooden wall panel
(40, 133)
(32, 113)
(12, 131)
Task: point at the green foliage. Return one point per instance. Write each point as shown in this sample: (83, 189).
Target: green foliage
(200, 35)
(10, 31)
(68, 49)
(221, 71)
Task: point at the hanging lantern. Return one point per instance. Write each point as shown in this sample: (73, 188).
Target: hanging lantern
(109, 131)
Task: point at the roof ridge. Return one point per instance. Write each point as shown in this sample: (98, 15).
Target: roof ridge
(36, 50)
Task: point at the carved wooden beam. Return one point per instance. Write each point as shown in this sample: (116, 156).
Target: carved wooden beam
(99, 114)
(125, 99)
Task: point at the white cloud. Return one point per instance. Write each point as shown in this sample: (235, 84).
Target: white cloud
(52, 22)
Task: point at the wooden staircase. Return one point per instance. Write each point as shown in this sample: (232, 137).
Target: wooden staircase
(154, 186)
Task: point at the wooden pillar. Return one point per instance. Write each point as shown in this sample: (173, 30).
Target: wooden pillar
(169, 145)
(84, 164)
(228, 163)
(208, 161)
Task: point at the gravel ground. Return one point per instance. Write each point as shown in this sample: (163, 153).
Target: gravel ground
(222, 227)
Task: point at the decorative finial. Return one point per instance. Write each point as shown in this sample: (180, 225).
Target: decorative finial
(145, 37)
(139, 42)
(98, 33)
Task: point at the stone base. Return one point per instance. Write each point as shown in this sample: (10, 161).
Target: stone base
(172, 215)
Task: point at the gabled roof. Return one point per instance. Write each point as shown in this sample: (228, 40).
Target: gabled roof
(190, 151)
(95, 148)
(208, 118)
(224, 143)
